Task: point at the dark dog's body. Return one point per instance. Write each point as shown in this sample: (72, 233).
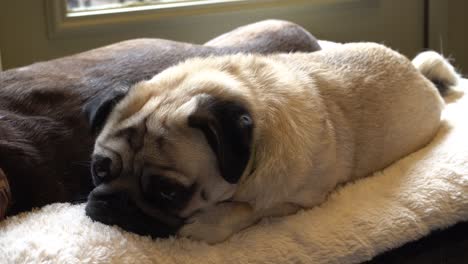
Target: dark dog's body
(45, 140)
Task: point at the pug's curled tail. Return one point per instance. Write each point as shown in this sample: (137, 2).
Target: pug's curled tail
(437, 69)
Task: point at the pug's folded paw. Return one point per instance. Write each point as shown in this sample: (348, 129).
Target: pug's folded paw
(218, 223)
(201, 228)
(5, 194)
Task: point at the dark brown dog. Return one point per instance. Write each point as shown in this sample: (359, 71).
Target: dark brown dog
(46, 141)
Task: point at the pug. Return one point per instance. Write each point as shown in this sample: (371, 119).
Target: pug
(45, 140)
(213, 145)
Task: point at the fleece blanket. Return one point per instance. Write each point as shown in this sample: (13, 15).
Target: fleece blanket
(422, 192)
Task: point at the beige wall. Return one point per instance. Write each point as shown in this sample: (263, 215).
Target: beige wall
(398, 23)
(457, 46)
(448, 28)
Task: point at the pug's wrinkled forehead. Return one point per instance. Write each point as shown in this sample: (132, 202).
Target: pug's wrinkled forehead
(184, 137)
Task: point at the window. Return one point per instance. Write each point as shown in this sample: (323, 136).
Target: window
(76, 8)
(72, 18)
(86, 5)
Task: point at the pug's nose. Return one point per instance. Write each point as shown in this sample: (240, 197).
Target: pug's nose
(101, 169)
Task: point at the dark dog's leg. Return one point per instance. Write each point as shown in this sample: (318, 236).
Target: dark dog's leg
(5, 194)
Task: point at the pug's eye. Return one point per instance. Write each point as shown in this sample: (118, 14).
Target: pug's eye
(164, 192)
(169, 195)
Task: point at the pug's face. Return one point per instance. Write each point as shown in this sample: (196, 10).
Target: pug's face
(172, 146)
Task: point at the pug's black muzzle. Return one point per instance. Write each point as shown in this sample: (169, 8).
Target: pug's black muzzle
(119, 209)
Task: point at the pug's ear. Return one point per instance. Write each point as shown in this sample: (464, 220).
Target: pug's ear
(228, 128)
(99, 107)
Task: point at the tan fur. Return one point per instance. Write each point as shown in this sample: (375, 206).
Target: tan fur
(321, 119)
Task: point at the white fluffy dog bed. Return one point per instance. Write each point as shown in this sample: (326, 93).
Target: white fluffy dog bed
(425, 191)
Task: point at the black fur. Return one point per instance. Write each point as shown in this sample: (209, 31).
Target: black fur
(441, 86)
(119, 209)
(98, 109)
(228, 128)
